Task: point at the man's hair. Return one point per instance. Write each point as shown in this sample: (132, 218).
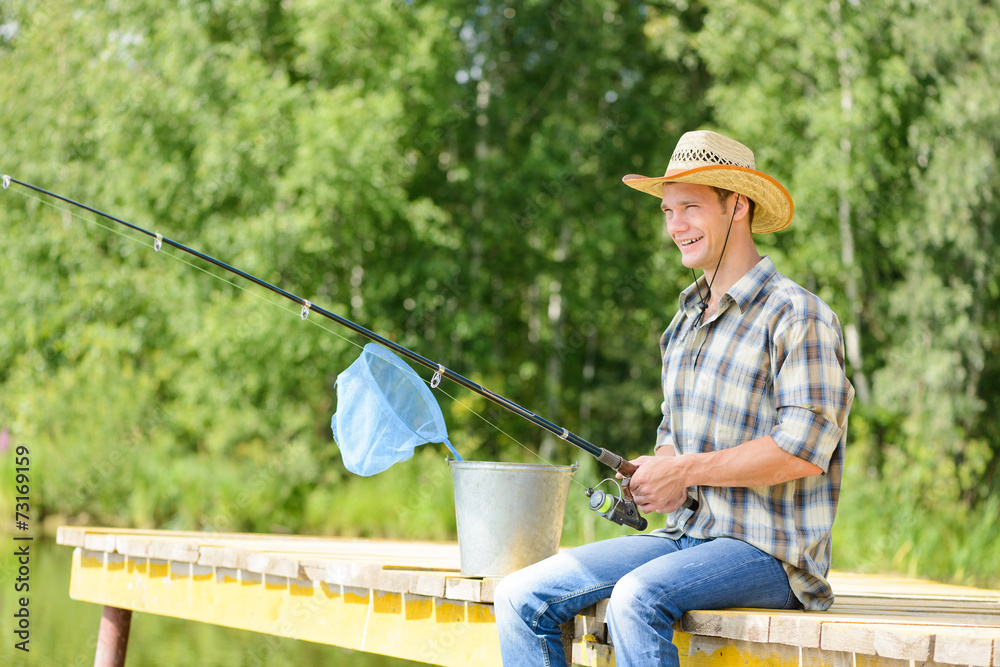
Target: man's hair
(723, 195)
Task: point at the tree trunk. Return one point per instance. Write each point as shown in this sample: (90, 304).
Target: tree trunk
(852, 327)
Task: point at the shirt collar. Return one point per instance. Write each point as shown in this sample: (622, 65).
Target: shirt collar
(742, 293)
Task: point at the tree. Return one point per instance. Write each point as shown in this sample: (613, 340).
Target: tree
(167, 397)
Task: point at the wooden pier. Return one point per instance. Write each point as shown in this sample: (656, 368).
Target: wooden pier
(409, 600)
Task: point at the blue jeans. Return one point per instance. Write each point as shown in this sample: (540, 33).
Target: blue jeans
(651, 580)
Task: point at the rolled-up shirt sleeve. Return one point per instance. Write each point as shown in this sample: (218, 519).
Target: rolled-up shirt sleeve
(812, 394)
(663, 435)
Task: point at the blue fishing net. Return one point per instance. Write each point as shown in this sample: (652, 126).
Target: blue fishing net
(384, 411)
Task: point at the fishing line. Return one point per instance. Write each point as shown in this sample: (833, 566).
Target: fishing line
(704, 302)
(158, 242)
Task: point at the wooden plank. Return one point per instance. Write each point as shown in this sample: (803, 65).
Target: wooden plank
(99, 542)
(347, 573)
(71, 536)
(396, 581)
(598, 611)
(905, 642)
(435, 630)
(387, 552)
(592, 654)
(867, 588)
(463, 589)
(862, 590)
(428, 583)
(724, 623)
(489, 585)
(179, 551)
(814, 657)
(870, 591)
(848, 637)
(920, 608)
(589, 628)
(904, 637)
(966, 646)
(795, 629)
(881, 619)
(810, 622)
(230, 557)
(132, 546)
(945, 645)
(278, 565)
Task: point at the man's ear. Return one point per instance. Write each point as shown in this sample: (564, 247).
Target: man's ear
(742, 208)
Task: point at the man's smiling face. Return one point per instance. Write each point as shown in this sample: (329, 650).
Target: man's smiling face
(696, 222)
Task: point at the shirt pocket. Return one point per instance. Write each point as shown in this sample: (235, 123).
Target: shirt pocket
(745, 408)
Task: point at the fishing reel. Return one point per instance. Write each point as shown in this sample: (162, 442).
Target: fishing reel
(621, 510)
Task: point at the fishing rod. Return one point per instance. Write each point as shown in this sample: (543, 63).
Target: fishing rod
(622, 511)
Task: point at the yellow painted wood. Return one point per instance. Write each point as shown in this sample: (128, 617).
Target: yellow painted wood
(592, 654)
(861, 660)
(435, 630)
(700, 651)
(408, 599)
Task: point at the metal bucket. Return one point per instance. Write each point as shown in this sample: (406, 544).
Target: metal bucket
(509, 515)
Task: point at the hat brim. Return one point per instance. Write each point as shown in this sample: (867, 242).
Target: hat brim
(774, 206)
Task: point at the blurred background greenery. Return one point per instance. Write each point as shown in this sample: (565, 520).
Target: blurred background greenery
(448, 174)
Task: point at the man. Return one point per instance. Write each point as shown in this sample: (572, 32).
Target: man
(753, 432)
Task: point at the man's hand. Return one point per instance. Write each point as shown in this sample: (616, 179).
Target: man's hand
(657, 485)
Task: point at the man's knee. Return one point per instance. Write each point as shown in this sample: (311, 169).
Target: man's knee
(505, 592)
(515, 592)
(633, 595)
(628, 593)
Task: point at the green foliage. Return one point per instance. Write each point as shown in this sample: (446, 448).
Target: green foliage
(448, 176)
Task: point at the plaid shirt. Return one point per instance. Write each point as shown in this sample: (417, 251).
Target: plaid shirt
(769, 362)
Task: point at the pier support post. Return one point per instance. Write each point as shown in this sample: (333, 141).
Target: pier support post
(112, 639)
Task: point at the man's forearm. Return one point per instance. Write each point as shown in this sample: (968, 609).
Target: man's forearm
(757, 462)
(660, 483)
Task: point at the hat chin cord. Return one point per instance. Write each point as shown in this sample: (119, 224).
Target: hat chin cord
(704, 301)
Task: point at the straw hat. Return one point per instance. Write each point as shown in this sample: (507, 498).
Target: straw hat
(709, 158)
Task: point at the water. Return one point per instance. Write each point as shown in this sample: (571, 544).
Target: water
(64, 631)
